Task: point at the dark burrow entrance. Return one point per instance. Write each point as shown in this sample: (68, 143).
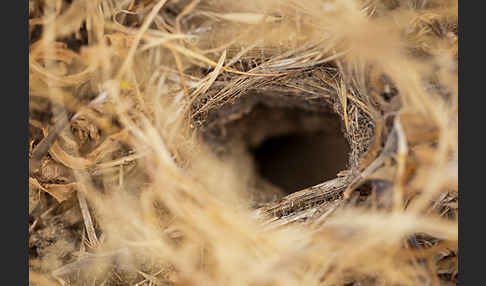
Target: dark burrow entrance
(290, 147)
(299, 160)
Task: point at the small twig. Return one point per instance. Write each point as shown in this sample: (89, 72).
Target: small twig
(402, 152)
(34, 224)
(88, 223)
(121, 161)
(306, 199)
(150, 278)
(45, 144)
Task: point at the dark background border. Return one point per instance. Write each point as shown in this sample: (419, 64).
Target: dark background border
(14, 134)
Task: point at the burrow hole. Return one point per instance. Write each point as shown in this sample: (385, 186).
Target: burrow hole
(292, 148)
(296, 161)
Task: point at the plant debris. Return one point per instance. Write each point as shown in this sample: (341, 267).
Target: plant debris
(149, 127)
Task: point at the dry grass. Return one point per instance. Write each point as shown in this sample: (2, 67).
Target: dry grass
(140, 198)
